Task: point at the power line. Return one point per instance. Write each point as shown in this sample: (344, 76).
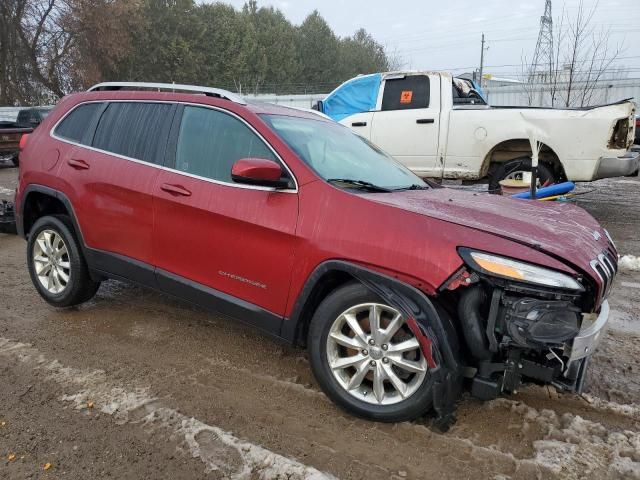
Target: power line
(474, 30)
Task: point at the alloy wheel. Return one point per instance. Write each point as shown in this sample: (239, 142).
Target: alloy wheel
(374, 355)
(51, 261)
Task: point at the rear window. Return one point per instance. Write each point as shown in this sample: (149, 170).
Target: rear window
(135, 129)
(406, 93)
(75, 124)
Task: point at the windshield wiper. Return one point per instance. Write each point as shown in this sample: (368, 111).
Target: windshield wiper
(415, 186)
(359, 183)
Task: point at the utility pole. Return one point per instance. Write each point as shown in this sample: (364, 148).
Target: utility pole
(481, 59)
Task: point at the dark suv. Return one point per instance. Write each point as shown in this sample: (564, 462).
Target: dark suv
(291, 222)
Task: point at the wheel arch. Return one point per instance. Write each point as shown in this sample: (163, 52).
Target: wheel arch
(323, 280)
(38, 201)
(332, 274)
(510, 149)
(407, 299)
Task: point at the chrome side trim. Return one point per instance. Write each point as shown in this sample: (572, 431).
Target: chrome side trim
(173, 170)
(172, 87)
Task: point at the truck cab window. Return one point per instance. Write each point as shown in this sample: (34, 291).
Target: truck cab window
(406, 93)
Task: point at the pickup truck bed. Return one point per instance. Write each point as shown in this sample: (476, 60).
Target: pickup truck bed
(11, 132)
(10, 136)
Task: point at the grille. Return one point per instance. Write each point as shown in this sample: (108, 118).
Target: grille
(605, 267)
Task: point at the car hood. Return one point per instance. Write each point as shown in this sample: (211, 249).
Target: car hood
(560, 229)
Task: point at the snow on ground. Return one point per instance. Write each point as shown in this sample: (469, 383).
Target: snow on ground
(629, 263)
(574, 447)
(218, 449)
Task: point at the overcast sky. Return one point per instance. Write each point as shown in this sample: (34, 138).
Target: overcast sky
(431, 34)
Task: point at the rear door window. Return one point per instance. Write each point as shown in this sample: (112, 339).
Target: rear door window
(135, 129)
(76, 124)
(406, 93)
(210, 142)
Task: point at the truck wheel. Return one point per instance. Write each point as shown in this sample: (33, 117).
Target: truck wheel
(15, 160)
(366, 359)
(56, 265)
(513, 170)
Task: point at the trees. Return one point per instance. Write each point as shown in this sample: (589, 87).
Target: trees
(51, 47)
(103, 31)
(271, 59)
(35, 46)
(317, 48)
(362, 54)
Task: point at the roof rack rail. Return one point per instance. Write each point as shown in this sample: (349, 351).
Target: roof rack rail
(174, 87)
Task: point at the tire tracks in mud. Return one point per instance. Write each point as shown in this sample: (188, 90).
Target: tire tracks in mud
(196, 365)
(564, 435)
(219, 450)
(541, 443)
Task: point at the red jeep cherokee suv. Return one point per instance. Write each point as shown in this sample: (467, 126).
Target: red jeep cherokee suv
(399, 289)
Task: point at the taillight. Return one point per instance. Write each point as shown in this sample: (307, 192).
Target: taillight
(23, 140)
(620, 136)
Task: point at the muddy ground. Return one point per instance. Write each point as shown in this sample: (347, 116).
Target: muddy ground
(138, 385)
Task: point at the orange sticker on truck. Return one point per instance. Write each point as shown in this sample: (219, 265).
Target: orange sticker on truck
(405, 96)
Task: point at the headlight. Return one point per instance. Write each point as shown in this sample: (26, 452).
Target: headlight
(515, 270)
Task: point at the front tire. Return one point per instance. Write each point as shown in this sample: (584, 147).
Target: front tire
(56, 265)
(366, 359)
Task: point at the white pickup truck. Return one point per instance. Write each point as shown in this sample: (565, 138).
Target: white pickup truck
(439, 126)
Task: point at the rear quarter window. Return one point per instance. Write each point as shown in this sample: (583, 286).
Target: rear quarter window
(135, 129)
(75, 124)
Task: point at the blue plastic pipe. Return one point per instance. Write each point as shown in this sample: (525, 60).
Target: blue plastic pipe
(550, 191)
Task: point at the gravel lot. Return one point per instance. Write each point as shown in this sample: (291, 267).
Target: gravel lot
(138, 385)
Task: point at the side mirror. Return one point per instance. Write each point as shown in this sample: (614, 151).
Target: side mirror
(258, 171)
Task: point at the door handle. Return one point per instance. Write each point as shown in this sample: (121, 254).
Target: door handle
(359, 124)
(175, 189)
(424, 120)
(78, 164)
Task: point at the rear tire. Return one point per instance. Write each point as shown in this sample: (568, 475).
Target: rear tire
(15, 160)
(56, 264)
(522, 164)
(357, 388)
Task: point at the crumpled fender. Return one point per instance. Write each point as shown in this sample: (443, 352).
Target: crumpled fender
(435, 332)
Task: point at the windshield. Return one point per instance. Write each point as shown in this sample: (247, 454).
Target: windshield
(338, 154)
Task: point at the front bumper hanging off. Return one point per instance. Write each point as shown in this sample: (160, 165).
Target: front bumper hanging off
(583, 347)
(589, 337)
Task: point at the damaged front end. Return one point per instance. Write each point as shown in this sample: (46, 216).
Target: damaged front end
(522, 322)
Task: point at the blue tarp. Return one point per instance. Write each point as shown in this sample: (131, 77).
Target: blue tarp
(357, 95)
